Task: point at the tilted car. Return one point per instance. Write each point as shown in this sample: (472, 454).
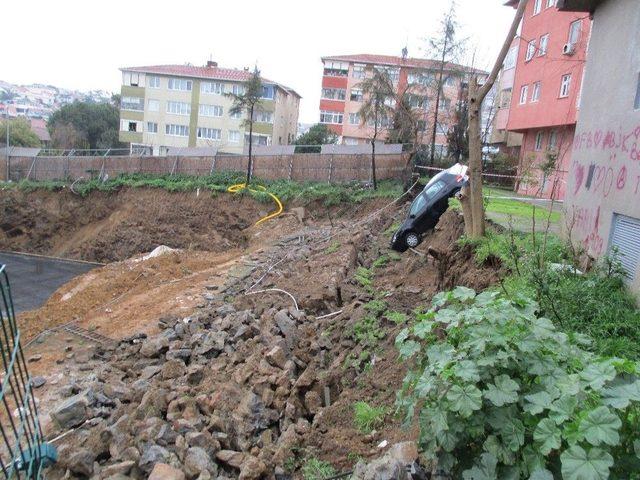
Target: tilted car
(428, 207)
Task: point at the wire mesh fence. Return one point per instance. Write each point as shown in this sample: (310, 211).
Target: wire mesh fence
(23, 452)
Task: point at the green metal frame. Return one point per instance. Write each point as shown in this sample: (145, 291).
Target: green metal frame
(23, 451)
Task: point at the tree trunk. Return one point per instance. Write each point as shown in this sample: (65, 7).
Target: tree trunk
(437, 109)
(475, 164)
(250, 147)
(373, 164)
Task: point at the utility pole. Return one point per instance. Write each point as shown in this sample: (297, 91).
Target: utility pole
(6, 152)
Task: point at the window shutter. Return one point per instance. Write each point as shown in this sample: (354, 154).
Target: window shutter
(626, 238)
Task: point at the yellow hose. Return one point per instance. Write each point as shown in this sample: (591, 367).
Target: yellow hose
(238, 187)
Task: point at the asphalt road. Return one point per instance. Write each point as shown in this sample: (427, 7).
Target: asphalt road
(33, 279)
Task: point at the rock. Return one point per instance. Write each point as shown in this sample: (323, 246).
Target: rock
(288, 328)
(35, 358)
(150, 371)
(383, 468)
(203, 440)
(299, 212)
(72, 412)
(276, 357)
(173, 369)
(153, 404)
(195, 374)
(154, 347)
(313, 402)
(179, 353)
(230, 457)
(152, 454)
(406, 452)
(38, 381)
(162, 471)
(122, 468)
(252, 468)
(81, 462)
(198, 461)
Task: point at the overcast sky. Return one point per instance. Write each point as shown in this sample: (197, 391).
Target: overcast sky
(81, 44)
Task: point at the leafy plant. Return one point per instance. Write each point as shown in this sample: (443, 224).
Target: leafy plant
(381, 261)
(502, 393)
(396, 317)
(366, 417)
(364, 277)
(314, 469)
(367, 331)
(333, 248)
(376, 307)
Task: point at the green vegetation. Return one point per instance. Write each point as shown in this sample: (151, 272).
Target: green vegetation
(500, 392)
(515, 208)
(310, 142)
(333, 248)
(314, 469)
(330, 194)
(366, 417)
(595, 303)
(364, 277)
(396, 317)
(376, 307)
(20, 133)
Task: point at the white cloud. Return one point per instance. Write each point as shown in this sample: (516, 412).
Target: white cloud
(81, 44)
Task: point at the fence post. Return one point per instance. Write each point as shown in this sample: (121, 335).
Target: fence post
(291, 166)
(330, 168)
(213, 164)
(31, 167)
(175, 166)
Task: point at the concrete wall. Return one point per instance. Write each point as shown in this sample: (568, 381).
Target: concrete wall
(604, 176)
(299, 167)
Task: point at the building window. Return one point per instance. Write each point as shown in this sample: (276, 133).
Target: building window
(133, 126)
(544, 44)
(421, 125)
(334, 93)
(356, 95)
(449, 81)
(132, 103)
(215, 88)
(505, 98)
(574, 32)
(444, 104)
(511, 58)
(268, 92)
(209, 133)
(524, 91)
(539, 139)
(264, 117)
(392, 72)
(637, 103)
(260, 140)
(417, 101)
(351, 141)
(565, 86)
(531, 50)
(176, 130)
(422, 78)
(537, 6)
(331, 117)
(153, 105)
(354, 119)
(358, 71)
(153, 82)
(152, 127)
(535, 95)
(234, 136)
(180, 84)
(551, 3)
(210, 110)
(179, 108)
(235, 115)
(336, 69)
(553, 139)
(237, 89)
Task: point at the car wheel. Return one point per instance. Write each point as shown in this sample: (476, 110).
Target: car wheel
(411, 239)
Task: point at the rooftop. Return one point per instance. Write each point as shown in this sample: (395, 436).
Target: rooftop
(394, 61)
(212, 72)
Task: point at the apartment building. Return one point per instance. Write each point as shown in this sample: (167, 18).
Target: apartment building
(185, 106)
(546, 93)
(342, 96)
(602, 205)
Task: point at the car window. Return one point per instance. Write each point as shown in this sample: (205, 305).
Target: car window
(418, 204)
(434, 189)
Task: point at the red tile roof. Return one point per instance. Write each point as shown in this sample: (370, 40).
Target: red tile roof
(394, 61)
(214, 73)
(39, 127)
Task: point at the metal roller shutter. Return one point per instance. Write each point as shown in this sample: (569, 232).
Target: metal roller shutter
(625, 235)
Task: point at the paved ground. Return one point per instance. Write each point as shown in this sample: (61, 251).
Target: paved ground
(33, 279)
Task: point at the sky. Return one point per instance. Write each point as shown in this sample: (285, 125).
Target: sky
(81, 44)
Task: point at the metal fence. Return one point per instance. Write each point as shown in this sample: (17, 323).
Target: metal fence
(296, 167)
(23, 452)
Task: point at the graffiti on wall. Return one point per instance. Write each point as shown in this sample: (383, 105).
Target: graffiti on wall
(585, 221)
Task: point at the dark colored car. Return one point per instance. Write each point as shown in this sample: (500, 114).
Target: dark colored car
(428, 207)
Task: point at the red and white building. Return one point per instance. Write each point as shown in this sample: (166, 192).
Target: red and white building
(342, 97)
(545, 97)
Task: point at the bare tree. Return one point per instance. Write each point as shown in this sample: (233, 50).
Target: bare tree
(248, 101)
(377, 109)
(447, 48)
(472, 203)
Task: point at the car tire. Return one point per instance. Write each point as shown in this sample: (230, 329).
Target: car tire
(411, 239)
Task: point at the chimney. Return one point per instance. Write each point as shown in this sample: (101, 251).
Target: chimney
(211, 64)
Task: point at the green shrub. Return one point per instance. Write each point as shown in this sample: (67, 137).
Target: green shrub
(502, 393)
(396, 317)
(364, 277)
(380, 261)
(366, 417)
(376, 307)
(333, 248)
(314, 469)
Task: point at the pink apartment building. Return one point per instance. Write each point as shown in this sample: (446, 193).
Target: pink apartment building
(545, 96)
(342, 97)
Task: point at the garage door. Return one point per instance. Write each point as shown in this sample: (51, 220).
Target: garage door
(625, 236)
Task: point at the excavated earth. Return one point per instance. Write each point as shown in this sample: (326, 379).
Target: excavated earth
(237, 360)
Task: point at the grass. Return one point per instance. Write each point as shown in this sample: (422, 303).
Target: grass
(515, 208)
(333, 248)
(595, 303)
(314, 469)
(367, 418)
(330, 194)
